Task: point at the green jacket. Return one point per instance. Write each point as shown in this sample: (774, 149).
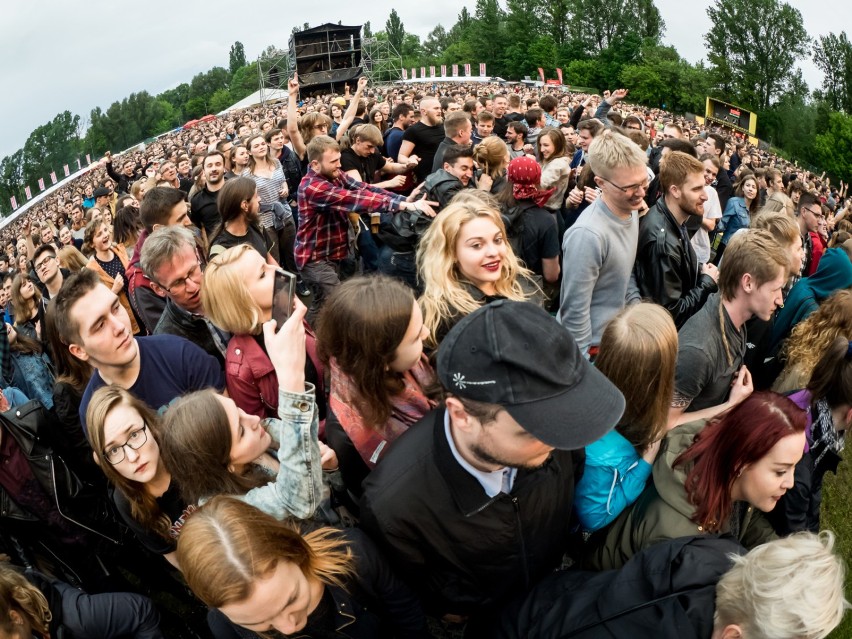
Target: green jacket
(664, 512)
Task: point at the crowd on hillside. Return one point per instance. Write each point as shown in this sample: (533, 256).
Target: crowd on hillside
(428, 360)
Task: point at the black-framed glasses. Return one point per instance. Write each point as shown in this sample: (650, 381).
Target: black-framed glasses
(179, 286)
(630, 189)
(135, 440)
(815, 213)
(41, 264)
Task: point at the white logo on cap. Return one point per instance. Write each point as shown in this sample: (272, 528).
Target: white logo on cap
(461, 382)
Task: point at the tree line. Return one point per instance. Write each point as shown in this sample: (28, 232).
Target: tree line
(753, 47)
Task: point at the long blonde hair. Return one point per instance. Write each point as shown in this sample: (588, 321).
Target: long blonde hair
(638, 353)
(224, 295)
(227, 544)
(443, 283)
(813, 336)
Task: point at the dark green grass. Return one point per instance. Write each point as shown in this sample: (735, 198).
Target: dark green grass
(837, 516)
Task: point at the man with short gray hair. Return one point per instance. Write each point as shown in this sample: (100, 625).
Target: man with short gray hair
(170, 261)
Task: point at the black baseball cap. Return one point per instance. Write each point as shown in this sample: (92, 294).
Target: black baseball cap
(516, 355)
(101, 192)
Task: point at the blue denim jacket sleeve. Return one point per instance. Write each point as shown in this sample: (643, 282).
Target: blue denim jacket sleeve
(298, 489)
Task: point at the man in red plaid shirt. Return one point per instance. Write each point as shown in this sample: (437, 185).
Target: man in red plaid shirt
(327, 196)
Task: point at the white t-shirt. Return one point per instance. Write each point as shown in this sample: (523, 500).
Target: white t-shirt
(701, 239)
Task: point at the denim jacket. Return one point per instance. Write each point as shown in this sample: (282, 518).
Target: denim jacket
(734, 218)
(297, 489)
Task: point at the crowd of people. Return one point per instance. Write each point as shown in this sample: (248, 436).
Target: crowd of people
(548, 365)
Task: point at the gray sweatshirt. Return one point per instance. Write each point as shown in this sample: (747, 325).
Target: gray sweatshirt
(598, 255)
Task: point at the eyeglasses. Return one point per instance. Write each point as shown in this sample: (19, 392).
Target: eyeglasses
(814, 213)
(44, 262)
(630, 189)
(135, 440)
(179, 286)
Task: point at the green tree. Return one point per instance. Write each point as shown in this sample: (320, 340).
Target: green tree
(833, 56)
(11, 178)
(220, 100)
(395, 31)
(367, 30)
(753, 47)
(831, 147)
(237, 57)
(602, 25)
(487, 34)
(437, 40)
(50, 146)
(245, 82)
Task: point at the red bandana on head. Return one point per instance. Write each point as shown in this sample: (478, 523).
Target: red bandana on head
(525, 175)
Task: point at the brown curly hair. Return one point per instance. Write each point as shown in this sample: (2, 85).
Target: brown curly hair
(813, 336)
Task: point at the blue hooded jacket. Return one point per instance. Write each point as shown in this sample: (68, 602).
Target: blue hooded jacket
(833, 274)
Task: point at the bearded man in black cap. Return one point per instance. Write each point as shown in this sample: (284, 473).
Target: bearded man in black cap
(473, 504)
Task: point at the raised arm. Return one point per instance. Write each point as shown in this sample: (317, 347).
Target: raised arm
(352, 109)
(293, 117)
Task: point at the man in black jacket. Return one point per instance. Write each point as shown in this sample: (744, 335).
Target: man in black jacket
(473, 503)
(666, 270)
(169, 260)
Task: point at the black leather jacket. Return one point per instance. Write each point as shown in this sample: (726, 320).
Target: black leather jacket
(82, 504)
(666, 271)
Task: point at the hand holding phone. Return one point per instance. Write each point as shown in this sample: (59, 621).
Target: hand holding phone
(283, 294)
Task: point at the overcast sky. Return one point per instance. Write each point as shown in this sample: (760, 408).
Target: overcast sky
(62, 55)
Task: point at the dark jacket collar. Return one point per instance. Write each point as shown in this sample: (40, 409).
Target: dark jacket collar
(466, 491)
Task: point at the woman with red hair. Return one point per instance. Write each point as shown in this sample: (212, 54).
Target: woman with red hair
(713, 478)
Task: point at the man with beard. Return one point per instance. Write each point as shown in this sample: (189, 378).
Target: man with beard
(473, 503)
(327, 197)
(239, 206)
(203, 211)
(421, 140)
(667, 270)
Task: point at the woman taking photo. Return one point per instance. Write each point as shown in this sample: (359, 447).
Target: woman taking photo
(109, 261)
(827, 401)
(638, 354)
(276, 218)
(237, 297)
(738, 212)
(713, 478)
(259, 575)
(370, 335)
(465, 261)
(212, 447)
(124, 436)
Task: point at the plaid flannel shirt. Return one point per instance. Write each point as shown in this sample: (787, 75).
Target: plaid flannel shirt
(324, 208)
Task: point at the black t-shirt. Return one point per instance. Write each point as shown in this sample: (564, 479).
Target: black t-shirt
(704, 373)
(366, 166)
(203, 211)
(540, 238)
(170, 504)
(253, 237)
(426, 140)
(501, 125)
